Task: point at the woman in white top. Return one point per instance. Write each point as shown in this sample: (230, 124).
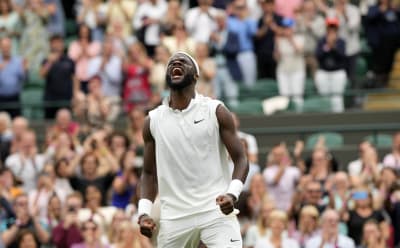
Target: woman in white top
(291, 69)
(278, 222)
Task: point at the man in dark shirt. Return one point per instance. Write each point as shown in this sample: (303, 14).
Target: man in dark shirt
(58, 70)
(265, 40)
(331, 77)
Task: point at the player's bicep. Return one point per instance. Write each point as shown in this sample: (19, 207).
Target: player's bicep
(228, 133)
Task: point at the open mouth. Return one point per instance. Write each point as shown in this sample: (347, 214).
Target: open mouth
(177, 73)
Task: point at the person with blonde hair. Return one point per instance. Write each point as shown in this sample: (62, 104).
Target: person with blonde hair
(277, 223)
(129, 236)
(260, 229)
(308, 225)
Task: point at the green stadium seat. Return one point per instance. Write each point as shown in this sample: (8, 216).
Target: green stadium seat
(70, 27)
(380, 140)
(249, 106)
(32, 103)
(309, 87)
(317, 104)
(35, 81)
(332, 140)
(361, 67)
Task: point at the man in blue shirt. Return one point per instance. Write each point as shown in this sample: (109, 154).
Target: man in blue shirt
(245, 28)
(12, 77)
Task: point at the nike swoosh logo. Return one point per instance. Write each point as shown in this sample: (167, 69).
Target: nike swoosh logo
(235, 240)
(195, 122)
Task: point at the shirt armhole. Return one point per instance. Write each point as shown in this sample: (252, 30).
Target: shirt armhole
(213, 106)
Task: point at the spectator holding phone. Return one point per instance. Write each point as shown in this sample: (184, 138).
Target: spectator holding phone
(67, 232)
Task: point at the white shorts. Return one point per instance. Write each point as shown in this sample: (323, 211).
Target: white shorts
(213, 228)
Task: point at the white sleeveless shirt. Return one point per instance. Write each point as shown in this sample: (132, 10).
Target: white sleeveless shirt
(192, 161)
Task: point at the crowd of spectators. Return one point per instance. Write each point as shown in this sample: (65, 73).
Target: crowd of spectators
(79, 187)
(124, 46)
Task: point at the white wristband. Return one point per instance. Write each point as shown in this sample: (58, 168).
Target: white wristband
(235, 188)
(144, 207)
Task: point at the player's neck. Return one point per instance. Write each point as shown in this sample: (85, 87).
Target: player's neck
(180, 99)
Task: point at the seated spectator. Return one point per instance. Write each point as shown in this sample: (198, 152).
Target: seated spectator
(91, 233)
(331, 78)
(26, 238)
(62, 187)
(81, 51)
(259, 230)
(268, 28)
(67, 232)
(198, 22)
(382, 26)
(9, 188)
(312, 26)
(287, 8)
(179, 40)
(321, 169)
(291, 70)
(108, 66)
(158, 70)
(118, 144)
(101, 110)
(24, 219)
(129, 236)
(92, 14)
(27, 163)
(393, 159)
(330, 236)
(278, 223)
(355, 167)
(56, 21)
(113, 230)
(18, 127)
(125, 184)
(121, 40)
(120, 11)
(91, 164)
(372, 236)
(13, 71)
(58, 71)
(349, 25)
(40, 195)
(146, 22)
(250, 139)
(54, 213)
(338, 196)
(205, 82)
(172, 15)
(10, 24)
(310, 194)
(137, 90)
(34, 44)
(258, 194)
(225, 45)
(134, 132)
(363, 211)
(245, 27)
(63, 124)
(5, 136)
(308, 225)
(281, 177)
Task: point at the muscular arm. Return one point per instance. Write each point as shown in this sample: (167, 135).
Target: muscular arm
(233, 145)
(148, 188)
